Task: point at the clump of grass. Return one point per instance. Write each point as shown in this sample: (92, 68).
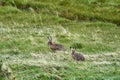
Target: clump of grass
(76, 45)
(69, 9)
(97, 48)
(8, 9)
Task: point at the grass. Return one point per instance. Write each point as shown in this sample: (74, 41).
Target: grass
(60, 66)
(90, 26)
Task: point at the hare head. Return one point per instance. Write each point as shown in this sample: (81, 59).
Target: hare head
(72, 50)
(50, 41)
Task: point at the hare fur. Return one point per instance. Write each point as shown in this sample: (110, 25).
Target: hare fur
(55, 47)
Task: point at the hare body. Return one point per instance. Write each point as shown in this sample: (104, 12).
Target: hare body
(77, 56)
(55, 47)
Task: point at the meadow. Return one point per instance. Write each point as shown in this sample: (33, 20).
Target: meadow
(92, 27)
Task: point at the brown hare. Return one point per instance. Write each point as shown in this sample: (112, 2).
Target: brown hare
(77, 56)
(55, 47)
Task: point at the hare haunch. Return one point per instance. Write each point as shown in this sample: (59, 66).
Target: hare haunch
(77, 56)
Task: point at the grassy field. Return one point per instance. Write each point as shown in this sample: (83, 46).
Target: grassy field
(92, 27)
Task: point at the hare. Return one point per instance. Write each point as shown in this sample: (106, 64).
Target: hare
(77, 56)
(55, 47)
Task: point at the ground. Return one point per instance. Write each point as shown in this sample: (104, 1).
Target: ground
(92, 27)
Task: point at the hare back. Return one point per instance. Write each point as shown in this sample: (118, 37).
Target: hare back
(57, 47)
(78, 57)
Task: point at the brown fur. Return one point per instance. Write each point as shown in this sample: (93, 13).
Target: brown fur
(77, 56)
(55, 47)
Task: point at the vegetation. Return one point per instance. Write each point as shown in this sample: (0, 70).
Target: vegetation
(92, 27)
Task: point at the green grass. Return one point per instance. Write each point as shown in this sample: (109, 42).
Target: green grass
(60, 66)
(92, 27)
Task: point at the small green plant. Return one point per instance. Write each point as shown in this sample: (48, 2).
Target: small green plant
(77, 45)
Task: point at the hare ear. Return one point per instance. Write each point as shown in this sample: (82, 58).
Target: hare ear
(1, 62)
(71, 48)
(49, 38)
